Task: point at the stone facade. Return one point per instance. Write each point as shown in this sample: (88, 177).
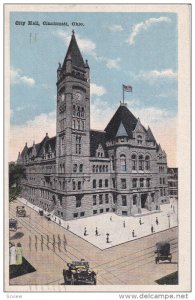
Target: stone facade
(82, 172)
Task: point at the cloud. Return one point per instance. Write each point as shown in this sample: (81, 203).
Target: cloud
(154, 75)
(113, 63)
(116, 28)
(97, 89)
(144, 26)
(16, 77)
(86, 45)
(33, 130)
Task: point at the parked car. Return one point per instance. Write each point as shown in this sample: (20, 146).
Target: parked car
(20, 211)
(13, 224)
(162, 252)
(48, 216)
(41, 212)
(78, 272)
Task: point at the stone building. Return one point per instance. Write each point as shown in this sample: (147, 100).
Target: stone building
(82, 172)
(172, 178)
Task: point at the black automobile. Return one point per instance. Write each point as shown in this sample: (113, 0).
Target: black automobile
(13, 224)
(162, 252)
(78, 273)
(20, 211)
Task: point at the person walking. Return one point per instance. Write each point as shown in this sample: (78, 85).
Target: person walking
(157, 221)
(133, 233)
(96, 231)
(140, 221)
(152, 229)
(68, 227)
(124, 224)
(111, 218)
(107, 237)
(85, 231)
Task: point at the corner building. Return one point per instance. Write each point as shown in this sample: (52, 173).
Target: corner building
(82, 172)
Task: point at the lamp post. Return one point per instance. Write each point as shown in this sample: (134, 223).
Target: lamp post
(169, 220)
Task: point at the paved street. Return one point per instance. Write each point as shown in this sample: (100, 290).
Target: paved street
(48, 247)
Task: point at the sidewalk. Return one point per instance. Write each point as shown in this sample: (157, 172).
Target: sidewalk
(119, 228)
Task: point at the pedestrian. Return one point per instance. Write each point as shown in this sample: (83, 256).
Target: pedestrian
(60, 222)
(133, 233)
(157, 221)
(85, 231)
(96, 231)
(111, 218)
(152, 229)
(67, 227)
(107, 237)
(140, 221)
(124, 224)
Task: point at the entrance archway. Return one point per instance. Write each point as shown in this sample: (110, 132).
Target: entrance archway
(143, 200)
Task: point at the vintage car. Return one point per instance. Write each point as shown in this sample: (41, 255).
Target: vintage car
(162, 252)
(13, 224)
(78, 272)
(48, 216)
(20, 211)
(40, 212)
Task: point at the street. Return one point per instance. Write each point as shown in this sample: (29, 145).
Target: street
(49, 247)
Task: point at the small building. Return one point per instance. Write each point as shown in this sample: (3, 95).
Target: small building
(172, 182)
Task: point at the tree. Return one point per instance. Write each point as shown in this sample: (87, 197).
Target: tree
(16, 174)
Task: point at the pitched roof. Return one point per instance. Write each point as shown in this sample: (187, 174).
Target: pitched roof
(121, 131)
(96, 138)
(151, 137)
(122, 115)
(74, 54)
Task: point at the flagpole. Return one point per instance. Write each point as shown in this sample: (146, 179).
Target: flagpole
(123, 94)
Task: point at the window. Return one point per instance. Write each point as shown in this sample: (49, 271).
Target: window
(63, 185)
(74, 185)
(124, 213)
(101, 210)
(83, 125)
(141, 182)
(75, 215)
(152, 196)
(134, 199)
(134, 162)
(78, 202)
(123, 162)
(134, 182)
(79, 185)
(161, 192)
(141, 163)
(94, 183)
(113, 183)
(78, 125)
(100, 169)
(106, 169)
(100, 183)
(78, 144)
(147, 162)
(75, 168)
(94, 200)
(81, 168)
(106, 198)
(73, 110)
(82, 112)
(123, 183)
(107, 209)
(139, 139)
(163, 180)
(164, 192)
(148, 182)
(73, 124)
(113, 162)
(82, 214)
(100, 199)
(93, 168)
(160, 180)
(94, 212)
(106, 182)
(103, 169)
(124, 200)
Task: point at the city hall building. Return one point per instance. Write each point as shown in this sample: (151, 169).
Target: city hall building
(82, 172)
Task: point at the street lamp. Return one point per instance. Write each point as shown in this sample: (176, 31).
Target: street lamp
(168, 219)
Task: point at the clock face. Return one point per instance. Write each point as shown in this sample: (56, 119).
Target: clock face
(78, 96)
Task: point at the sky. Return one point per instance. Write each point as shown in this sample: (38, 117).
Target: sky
(137, 49)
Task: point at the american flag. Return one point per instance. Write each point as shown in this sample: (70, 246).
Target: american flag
(127, 88)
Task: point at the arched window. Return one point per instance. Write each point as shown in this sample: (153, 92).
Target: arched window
(123, 162)
(96, 168)
(147, 162)
(141, 162)
(134, 162)
(100, 169)
(139, 139)
(103, 169)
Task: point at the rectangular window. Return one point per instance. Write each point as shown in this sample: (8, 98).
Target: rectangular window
(113, 183)
(124, 200)
(78, 144)
(74, 185)
(107, 209)
(101, 199)
(94, 212)
(141, 182)
(106, 182)
(94, 200)
(148, 182)
(163, 180)
(94, 183)
(81, 168)
(152, 197)
(61, 214)
(124, 213)
(134, 182)
(101, 210)
(82, 214)
(75, 215)
(100, 183)
(106, 198)
(75, 168)
(79, 185)
(123, 183)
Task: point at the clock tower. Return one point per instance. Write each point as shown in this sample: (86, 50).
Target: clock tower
(73, 115)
